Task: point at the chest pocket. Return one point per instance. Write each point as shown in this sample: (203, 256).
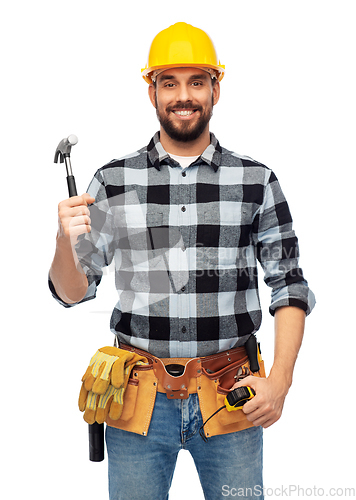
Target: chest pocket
(159, 257)
(219, 230)
(227, 228)
(225, 241)
(135, 218)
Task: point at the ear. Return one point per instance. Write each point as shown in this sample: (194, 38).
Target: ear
(152, 94)
(216, 92)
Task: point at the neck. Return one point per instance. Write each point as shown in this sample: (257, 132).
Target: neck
(190, 148)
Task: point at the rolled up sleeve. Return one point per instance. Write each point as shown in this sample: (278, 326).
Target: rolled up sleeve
(94, 249)
(90, 294)
(278, 251)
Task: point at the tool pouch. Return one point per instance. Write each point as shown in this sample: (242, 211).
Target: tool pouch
(139, 400)
(216, 382)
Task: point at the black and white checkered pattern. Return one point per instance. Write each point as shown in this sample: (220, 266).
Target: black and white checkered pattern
(186, 245)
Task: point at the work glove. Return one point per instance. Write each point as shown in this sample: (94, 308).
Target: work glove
(107, 365)
(104, 383)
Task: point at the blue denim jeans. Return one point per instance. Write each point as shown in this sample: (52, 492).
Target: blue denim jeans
(141, 467)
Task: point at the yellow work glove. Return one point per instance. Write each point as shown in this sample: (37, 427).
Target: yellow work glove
(104, 383)
(106, 364)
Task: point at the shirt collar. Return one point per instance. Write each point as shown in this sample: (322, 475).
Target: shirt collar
(157, 155)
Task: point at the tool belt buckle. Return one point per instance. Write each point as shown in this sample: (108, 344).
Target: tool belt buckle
(174, 378)
(180, 394)
(174, 372)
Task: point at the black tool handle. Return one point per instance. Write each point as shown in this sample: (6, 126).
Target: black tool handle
(96, 431)
(72, 188)
(96, 442)
(252, 353)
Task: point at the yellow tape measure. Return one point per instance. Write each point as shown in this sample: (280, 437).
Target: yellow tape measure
(238, 397)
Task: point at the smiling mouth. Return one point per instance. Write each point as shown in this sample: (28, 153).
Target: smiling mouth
(184, 112)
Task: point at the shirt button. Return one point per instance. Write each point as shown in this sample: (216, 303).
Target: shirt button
(183, 209)
(184, 173)
(182, 289)
(184, 329)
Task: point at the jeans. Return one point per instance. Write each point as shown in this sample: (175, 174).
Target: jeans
(141, 467)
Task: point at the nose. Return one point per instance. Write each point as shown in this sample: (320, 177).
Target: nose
(183, 94)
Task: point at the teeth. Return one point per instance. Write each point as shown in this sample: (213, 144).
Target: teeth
(184, 113)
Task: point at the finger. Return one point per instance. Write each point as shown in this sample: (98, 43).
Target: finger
(76, 201)
(69, 212)
(257, 416)
(265, 421)
(84, 199)
(88, 198)
(76, 231)
(269, 422)
(251, 406)
(78, 210)
(82, 220)
(249, 381)
(264, 415)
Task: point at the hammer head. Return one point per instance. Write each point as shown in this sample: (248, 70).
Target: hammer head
(64, 148)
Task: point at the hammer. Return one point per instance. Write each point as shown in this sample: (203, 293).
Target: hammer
(63, 153)
(96, 431)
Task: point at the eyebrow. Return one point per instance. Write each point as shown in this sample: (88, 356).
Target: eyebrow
(167, 77)
(199, 76)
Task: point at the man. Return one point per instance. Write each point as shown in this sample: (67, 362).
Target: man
(222, 212)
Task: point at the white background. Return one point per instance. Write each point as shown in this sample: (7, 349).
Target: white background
(287, 100)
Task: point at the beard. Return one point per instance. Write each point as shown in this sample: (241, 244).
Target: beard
(185, 131)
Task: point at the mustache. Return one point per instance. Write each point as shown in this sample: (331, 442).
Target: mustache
(186, 105)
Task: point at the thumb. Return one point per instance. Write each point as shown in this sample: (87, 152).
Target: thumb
(250, 381)
(88, 198)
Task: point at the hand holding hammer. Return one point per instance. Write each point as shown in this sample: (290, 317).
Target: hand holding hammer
(73, 213)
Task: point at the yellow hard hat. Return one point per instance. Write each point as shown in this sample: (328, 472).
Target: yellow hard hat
(182, 45)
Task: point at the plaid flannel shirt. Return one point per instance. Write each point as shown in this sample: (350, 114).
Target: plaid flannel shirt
(186, 245)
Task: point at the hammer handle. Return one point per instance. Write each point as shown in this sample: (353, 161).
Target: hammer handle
(252, 353)
(96, 442)
(72, 189)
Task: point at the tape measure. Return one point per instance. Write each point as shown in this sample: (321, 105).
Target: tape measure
(233, 401)
(238, 397)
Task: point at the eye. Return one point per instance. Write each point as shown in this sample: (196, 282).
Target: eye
(197, 84)
(169, 85)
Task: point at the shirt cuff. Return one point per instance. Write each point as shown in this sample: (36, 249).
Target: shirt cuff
(90, 294)
(304, 298)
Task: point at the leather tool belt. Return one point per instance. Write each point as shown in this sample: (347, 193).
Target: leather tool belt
(211, 377)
